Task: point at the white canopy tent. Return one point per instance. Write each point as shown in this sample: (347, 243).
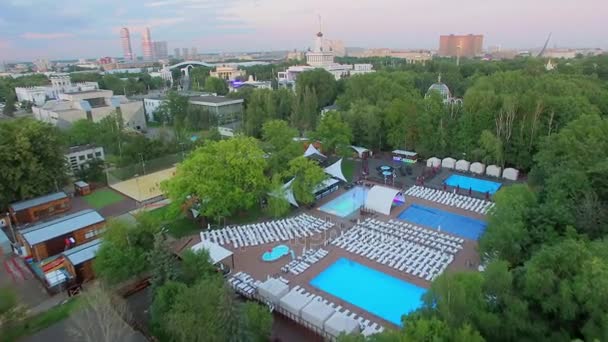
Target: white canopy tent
(493, 170)
(340, 323)
(311, 150)
(448, 163)
(463, 165)
(478, 168)
(294, 301)
(380, 199)
(216, 252)
(273, 290)
(361, 150)
(510, 173)
(335, 170)
(433, 162)
(317, 312)
(287, 193)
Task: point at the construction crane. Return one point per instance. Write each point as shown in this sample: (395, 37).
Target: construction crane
(540, 54)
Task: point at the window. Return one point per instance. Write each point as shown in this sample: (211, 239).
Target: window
(97, 154)
(81, 157)
(92, 233)
(90, 156)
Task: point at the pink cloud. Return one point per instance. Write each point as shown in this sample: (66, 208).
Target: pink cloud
(53, 35)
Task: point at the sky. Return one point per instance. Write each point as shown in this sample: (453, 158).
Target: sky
(54, 29)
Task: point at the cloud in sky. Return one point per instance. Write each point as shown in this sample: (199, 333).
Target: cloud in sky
(238, 25)
(46, 35)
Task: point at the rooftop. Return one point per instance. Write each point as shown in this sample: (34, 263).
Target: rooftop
(79, 148)
(38, 201)
(51, 229)
(82, 253)
(215, 99)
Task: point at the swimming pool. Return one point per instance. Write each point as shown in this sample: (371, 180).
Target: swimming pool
(460, 225)
(479, 185)
(275, 253)
(347, 203)
(379, 293)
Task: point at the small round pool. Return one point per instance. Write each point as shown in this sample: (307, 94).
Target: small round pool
(275, 253)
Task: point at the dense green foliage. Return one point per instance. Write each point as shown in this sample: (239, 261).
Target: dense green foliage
(308, 175)
(31, 160)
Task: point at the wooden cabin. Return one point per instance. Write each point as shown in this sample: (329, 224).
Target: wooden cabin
(82, 188)
(39, 208)
(53, 237)
(79, 261)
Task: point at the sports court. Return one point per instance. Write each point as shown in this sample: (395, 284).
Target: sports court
(146, 187)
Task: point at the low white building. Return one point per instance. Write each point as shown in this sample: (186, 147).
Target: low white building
(227, 72)
(78, 156)
(60, 84)
(93, 105)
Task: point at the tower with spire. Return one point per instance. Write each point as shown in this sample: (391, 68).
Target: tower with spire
(317, 57)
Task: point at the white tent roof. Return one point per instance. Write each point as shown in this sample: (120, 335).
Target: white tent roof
(510, 173)
(312, 150)
(463, 165)
(335, 170)
(433, 162)
(340, 323)
(294, 302)
(216, 252)
(360, 150)
(380, 199)
(287, 193)
(317, 312)
(272, 290)
(448, 162)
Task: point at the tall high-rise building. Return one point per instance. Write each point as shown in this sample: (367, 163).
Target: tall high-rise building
(193, 53)
(176, 53)
(125, 38)
(160, 50)
(185, 53)
(460, 46)
(146, 45)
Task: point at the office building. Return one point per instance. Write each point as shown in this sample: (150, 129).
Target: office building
(91, 105)
(146, 45)
(60, 84)
(160, 50)
(176, 53)
(78, 157)
(185, 54)
(42, 65)
(125, 39)
(193, 53)
(460, 45)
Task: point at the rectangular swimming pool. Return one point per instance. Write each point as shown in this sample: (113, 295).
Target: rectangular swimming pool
(479, 185)
(460, 225)
(376, 292)
(347, 203)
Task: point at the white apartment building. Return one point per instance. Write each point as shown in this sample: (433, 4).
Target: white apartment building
(78, 156)
(92, 105)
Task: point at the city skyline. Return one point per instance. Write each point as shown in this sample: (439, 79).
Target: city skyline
(72, 30)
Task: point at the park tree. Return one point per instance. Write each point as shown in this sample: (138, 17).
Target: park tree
(195, 265)
(305, 110)
(103, 318)
(124, 249)
(321, 83)
(258, 321)
(278, 206)
(9, 104)
(257, 112)
(82, 132)
(400, 120)
(216, 85)
(163, 263)
(308, 175)
(225, 176)
(365, 121)
(334, 133)
(31, 160)
(277, 138)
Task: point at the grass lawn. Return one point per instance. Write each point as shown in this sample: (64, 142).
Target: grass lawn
(40, 321)
(177, 227)
(348, 168)
(103, 198)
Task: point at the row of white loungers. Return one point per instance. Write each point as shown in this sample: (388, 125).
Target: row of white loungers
(244, 284)
(303, 262)
(301, 226)
(407, 248)
(367, 327)
(477, 205)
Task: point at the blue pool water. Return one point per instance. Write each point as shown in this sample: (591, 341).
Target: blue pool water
(379, 293)
(275, 253)
(479, 185)
(347, 203)
(460, 225)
